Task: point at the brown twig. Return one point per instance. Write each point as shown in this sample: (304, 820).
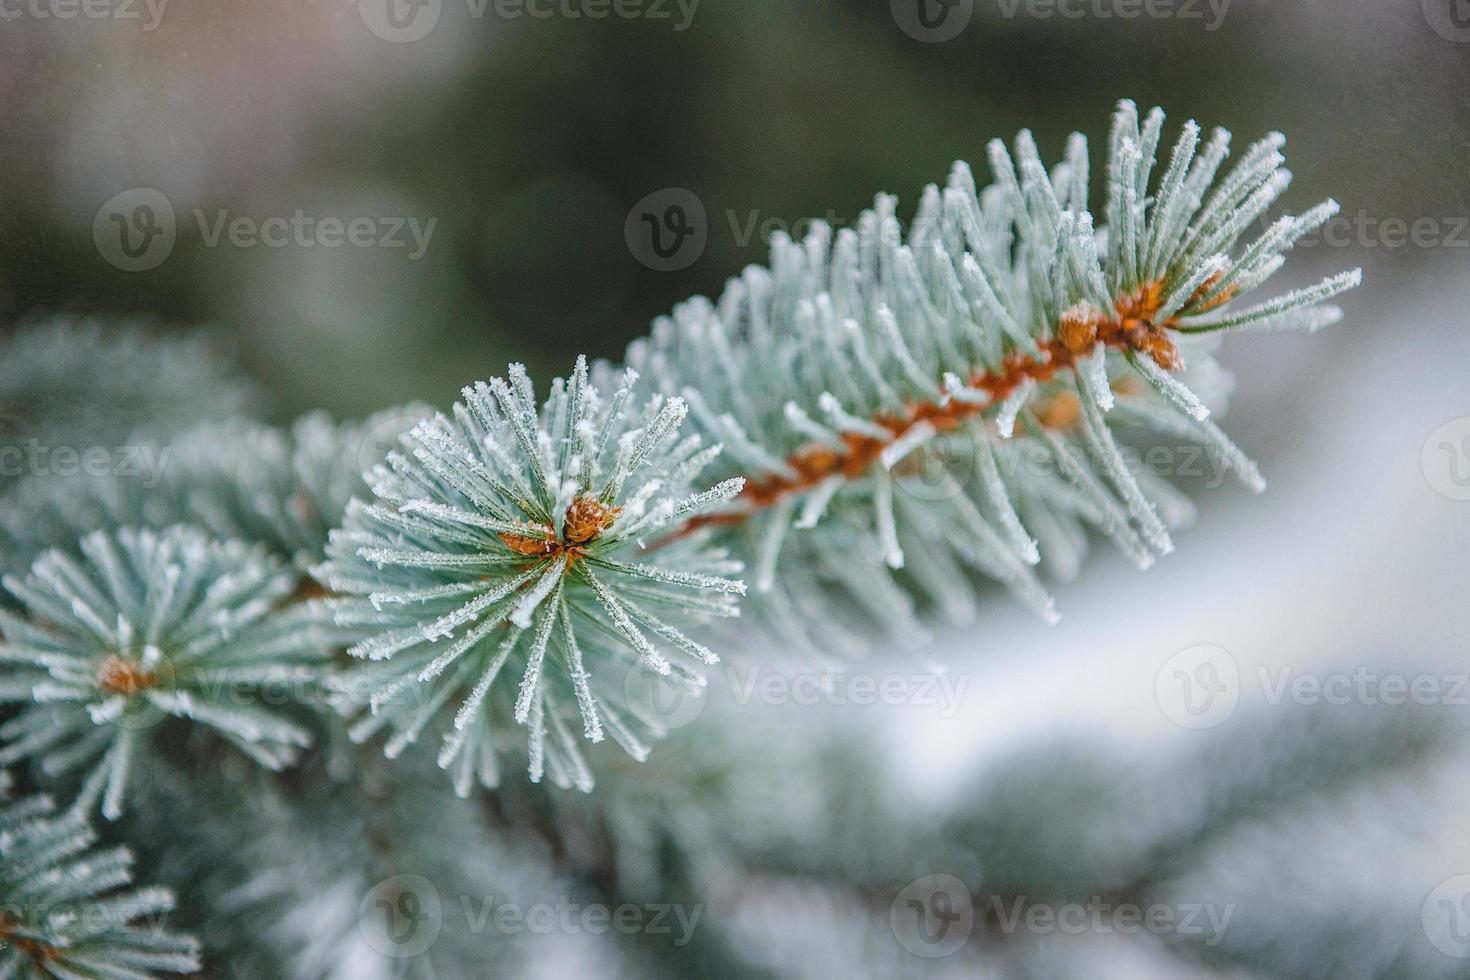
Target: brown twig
(1130, 327)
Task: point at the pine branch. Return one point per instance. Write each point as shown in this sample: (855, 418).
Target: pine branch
(349, 867)
(859, 424)
(889, 414)
(283, 489)
(66, 910)
(1132, 330)
(146, 626)
(78, 384)
(502, 549)
(917, 409)
(863, 358)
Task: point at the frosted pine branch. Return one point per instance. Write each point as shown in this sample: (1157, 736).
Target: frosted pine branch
(501, 572)
(865, 362)
(78, 383)
(146, 625)
(280, 488)
(68, 909)
(872, 423)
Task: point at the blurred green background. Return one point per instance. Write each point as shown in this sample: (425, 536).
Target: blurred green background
(528, 140)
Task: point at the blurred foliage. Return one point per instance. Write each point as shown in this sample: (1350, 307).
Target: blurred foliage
(528, 141)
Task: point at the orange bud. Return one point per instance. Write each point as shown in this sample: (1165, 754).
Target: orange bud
(119, 675)
(1077, 329)
(586, 517)
(523, 545)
